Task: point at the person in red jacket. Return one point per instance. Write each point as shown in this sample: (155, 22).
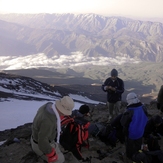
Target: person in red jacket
(46, 129)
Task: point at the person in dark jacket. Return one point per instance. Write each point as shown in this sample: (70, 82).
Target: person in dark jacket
(160, 99)
(151, 133)
(114, 86)
(134, 121)
(152, 125)
(82, 115)
(82, 112)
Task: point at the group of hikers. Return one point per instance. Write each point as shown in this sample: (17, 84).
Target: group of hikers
(57, 124)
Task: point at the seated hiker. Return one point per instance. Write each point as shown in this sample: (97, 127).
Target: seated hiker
(151, 134)
(82, 115)
(82, 112)
(152, 124)
(74, 132)
(146, 156)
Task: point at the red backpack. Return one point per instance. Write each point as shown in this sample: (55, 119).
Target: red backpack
(74, 134)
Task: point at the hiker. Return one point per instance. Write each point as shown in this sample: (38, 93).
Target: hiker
(82, 112)
(74, 134)
(46, 129)
(152, 125)
(151, 134)
(160, 99)
(114, 86)
(134, 120)
(146, 156)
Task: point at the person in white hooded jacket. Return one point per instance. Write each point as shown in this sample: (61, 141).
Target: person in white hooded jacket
(134, 120)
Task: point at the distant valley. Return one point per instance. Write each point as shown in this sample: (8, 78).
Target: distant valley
(78, 51)
(143, 78)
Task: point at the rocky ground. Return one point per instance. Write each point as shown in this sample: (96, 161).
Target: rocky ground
(16, 142)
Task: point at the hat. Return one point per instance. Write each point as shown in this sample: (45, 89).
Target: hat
(114, 72)
(84, 109)
(132, 98)
(65, 105)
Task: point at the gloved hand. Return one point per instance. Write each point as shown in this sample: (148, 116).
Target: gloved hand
(52, 157)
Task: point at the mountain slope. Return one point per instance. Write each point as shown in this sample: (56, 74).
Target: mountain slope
(92, 35)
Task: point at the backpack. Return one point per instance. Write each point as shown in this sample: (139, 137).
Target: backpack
(74, 134)
(109, 135)
(105, 132)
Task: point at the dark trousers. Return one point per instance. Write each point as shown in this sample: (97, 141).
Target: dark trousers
(132, 146)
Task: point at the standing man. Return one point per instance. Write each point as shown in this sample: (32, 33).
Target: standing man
(114, 87)
(134, 121)
(160, 99)
(46, 129)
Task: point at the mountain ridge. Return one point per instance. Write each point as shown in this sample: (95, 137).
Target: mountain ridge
(92, 35)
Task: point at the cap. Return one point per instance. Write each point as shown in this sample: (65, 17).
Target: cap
(84, 109)
(114, 72)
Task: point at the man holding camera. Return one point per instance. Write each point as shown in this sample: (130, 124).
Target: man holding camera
(114, 86)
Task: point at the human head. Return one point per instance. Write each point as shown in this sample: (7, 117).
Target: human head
(157, 120)
(84, 109)
(114, 73)
(65, 105)
(132, 98)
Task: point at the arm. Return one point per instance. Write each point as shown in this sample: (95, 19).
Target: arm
(43, 141)
(120, 88)
(45, 130)
(160, 95)
(125, 121)
(105, 85)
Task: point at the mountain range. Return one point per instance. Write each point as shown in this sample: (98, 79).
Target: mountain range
(90, 34)
(79, 51)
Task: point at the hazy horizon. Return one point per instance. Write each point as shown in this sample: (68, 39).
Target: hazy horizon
(126, 8)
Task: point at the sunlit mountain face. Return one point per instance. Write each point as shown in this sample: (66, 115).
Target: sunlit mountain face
(82, 49)
(65, 40)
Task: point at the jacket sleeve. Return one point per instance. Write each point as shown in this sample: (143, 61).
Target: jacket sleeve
(43, 137)
(160, 95)
(105, 84)
(125, 121)
(120, 89)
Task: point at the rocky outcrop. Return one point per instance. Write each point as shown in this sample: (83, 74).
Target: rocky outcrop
(16, 147)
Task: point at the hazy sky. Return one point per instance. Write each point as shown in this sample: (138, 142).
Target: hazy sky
(130, 8)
